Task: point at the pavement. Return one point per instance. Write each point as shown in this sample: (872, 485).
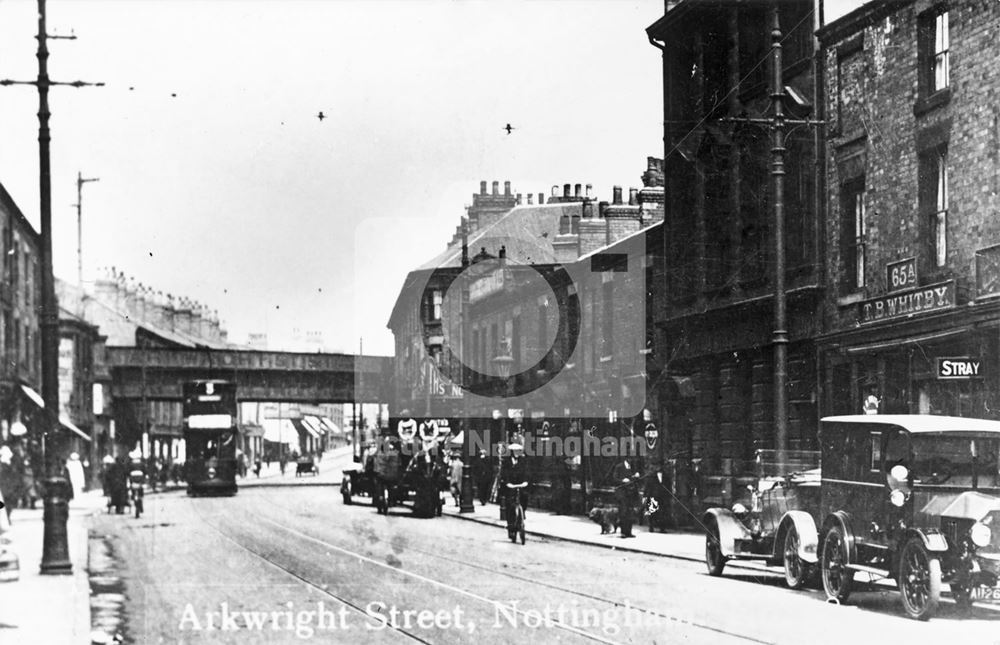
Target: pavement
(48, 609)
(681, 545)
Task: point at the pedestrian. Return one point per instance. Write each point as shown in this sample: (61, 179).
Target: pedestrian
(657, 499)
(627, 495)
(484, 476)
(455, 478)
(74, 469)
(256, 466)
(9, 480)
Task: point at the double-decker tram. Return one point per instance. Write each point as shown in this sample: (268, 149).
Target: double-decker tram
(210, 437)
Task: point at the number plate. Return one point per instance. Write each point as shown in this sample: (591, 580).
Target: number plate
(986, 594)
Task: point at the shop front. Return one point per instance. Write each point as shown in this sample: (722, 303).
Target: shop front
(916, 352)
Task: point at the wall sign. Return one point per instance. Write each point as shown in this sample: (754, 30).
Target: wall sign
(902, 304)
(901, 275)
(962, 367)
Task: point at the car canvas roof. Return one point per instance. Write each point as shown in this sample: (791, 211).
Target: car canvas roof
(920, 423)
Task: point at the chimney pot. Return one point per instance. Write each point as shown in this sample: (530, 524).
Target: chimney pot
(482, 188)
(555, 191)
(530, 199)
(590, 191)
(496, 188)
(541, 198)
(577, 190)
(518, 199)
(633, 196)
(617, 195)
(566, 190)
(506, 188)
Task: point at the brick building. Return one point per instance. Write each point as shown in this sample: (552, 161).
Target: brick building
(715, 308)
(20, 338)
(912, 236)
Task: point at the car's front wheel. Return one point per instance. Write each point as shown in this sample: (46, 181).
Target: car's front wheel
(714, 559)
(345, 490)
(919, 580)
(797, 571)
(837, 577)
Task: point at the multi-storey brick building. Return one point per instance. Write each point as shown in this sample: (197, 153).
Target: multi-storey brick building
(715, 309)
(912, 234)
(20, 340)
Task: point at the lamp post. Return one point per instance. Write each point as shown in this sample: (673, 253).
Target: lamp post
(467, 498)
(55, 548)
(80, 181)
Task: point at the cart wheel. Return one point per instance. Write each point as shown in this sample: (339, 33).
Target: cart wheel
(345, 490)
(837, 578)
(919, 580)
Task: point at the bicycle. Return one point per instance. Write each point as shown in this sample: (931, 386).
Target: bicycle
(517, 530)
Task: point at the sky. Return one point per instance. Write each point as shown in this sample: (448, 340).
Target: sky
(218, 182)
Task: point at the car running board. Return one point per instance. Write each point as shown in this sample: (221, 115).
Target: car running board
(866, 569)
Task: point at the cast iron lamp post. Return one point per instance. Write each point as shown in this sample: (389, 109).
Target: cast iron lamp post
(55, 548)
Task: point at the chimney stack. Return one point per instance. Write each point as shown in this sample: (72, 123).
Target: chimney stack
(633, 196)
(617, 199)
(482, 188)
(496, 188)
(506, 188)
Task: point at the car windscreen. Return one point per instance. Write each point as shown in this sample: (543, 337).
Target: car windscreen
(961, 462)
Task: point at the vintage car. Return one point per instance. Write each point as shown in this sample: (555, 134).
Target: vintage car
(779, 526)
(913, 498)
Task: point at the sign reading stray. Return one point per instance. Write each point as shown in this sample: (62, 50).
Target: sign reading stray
(902, 304)
(958, 368)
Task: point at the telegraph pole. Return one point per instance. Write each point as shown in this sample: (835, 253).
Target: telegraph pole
(55, 547)
(777, 123)
(80, 181)
(467, 503)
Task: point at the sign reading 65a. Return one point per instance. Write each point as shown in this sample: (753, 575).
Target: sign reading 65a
(901, 275)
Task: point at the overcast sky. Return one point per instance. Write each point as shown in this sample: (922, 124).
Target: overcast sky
(218, 182)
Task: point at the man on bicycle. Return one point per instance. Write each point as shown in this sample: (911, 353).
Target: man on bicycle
(515, 482)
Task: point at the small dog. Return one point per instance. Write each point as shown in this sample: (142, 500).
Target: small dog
(606, 516)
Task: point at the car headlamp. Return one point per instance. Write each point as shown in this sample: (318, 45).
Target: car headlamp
(897, 498)
(739, 509)
(980, 534)
(211, 472)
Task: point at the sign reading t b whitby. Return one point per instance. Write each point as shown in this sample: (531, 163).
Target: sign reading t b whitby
(900, 304)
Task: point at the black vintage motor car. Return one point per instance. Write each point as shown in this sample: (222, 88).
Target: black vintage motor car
(778, 525)
(912, 498)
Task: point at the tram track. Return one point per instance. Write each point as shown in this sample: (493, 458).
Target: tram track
(521, 579)
(304, 580)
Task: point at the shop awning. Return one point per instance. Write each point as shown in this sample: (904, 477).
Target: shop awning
(69, 425)
(304, 429)
(313, 424)
(330, 426)
(35, 397)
